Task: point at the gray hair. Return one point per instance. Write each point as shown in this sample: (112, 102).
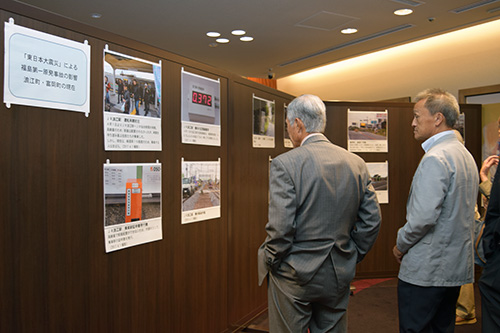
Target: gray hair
(442, 101)
(311, 110)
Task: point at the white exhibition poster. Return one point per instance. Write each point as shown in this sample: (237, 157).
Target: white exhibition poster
(379, 173)
(46, 71)
(200, 109)
(263, 123)
(286, 138)
(200, 190)
(367, 131)
(132, 204)
(132, 103)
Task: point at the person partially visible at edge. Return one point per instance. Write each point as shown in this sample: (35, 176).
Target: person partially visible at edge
(489, 283)
(435, 246)
(323, 218)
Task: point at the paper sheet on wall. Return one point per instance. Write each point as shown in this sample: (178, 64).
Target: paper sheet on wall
(200, 109)
(132, 205)
(379, 173)
(44, 70)
(264, 112)
(367, 131)
(200, 190)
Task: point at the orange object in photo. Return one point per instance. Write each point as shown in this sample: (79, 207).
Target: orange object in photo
(133, 200)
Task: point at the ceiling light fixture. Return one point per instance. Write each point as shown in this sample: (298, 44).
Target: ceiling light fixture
(213, 34)
(222, 40)
(403, 12)
(349, 31)
(95, 15)
(238, 32)
(246, 39)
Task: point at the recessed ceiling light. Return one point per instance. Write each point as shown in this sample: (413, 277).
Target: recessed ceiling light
(246, 39)
(349, 31)
(238, 32)
(222, 40)
(403, 12)
(95, 15)
(213, 44)
(213, 34)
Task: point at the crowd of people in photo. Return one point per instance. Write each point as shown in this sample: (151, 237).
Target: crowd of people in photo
(131, 95)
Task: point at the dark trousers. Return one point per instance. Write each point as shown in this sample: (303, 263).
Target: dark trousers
(489, 286)
(426, 309)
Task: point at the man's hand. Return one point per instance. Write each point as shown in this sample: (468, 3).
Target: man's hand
(397, 254)
(487, 164)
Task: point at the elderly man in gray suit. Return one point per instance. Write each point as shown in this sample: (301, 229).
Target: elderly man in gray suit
(435, 246)
(323, 218)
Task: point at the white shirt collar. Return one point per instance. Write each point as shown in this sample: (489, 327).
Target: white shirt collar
(427, 144)
(309, 136)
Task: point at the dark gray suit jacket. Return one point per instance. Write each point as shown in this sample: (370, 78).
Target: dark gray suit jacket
(322, 204)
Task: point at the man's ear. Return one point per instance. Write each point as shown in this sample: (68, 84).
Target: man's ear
(439, 119)
(300, 125)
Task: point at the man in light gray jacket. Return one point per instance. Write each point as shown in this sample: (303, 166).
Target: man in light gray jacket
(435, 246)
(323, 218)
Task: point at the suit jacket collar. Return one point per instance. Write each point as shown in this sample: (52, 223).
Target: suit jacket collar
(314, 138)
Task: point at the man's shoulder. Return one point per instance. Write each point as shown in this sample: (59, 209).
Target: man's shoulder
(323, 148)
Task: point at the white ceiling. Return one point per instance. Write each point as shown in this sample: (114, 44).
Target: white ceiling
(290, 36)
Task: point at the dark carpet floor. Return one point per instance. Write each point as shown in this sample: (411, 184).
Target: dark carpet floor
(373, 308)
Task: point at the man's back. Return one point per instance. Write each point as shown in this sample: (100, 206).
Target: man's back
(328, 186)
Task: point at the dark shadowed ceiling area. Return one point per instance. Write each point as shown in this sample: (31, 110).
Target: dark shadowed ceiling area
(290, 36)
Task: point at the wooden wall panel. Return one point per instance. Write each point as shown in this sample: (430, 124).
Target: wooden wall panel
(249, 183)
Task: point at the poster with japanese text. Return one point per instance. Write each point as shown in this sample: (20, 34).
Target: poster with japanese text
(132, 204)
(200, 109)
(263, 123)
(379, 173)
(44, 70)
(367, 131)
(200, 190)
(132, 103)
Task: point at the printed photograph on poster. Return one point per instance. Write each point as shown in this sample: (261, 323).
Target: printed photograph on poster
(263, 123)
(287, 142)
(460, 125)
(379, 173)
(200, 191)
(200, 109)
(132, 103)
(132, 204)
(44, 70)
(367, 131)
